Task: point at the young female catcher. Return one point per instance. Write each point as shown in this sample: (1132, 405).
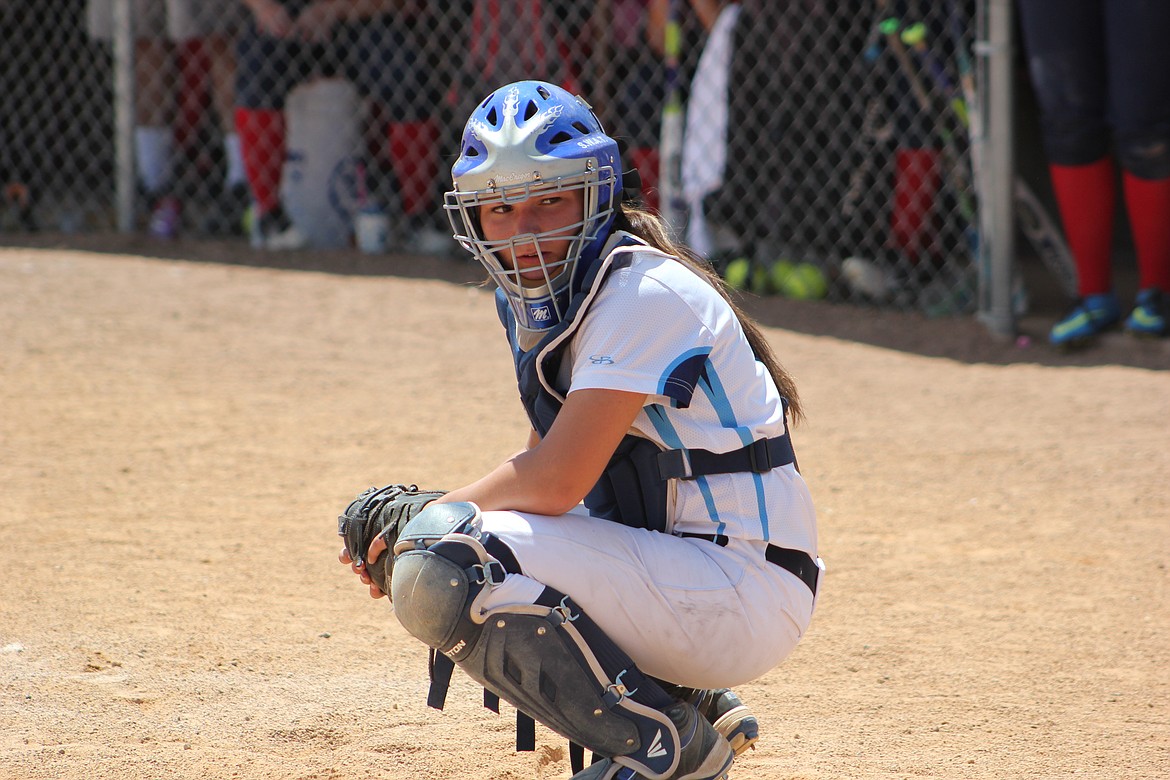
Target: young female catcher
(654, 543)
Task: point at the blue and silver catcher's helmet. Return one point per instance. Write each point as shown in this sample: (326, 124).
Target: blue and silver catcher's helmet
(525, 139)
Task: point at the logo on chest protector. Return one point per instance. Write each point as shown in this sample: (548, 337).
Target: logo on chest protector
(454, 651)
(656, 748)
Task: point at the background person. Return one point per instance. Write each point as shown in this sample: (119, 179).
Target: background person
(159, 25)
(292, 41)
(1101, 73)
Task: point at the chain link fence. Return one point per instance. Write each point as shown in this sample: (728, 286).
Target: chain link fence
(825, 149)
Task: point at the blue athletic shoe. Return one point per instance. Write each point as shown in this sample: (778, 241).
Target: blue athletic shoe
(1148, 317)
(1089, 317)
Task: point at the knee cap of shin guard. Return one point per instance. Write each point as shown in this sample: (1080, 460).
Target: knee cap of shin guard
(431, 595)
(434, 522)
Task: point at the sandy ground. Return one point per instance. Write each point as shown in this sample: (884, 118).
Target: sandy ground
(178, 437)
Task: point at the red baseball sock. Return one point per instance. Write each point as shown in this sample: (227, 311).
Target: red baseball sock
(262, 147)
(916, 182)
(1148, 203)
(1085, 195)
(414, 153)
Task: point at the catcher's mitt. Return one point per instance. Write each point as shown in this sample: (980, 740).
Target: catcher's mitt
(380, 512)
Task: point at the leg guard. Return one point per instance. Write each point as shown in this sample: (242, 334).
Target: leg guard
(548, 659)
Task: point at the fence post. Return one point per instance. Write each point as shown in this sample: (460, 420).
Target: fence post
(124, 113)
(999, 315)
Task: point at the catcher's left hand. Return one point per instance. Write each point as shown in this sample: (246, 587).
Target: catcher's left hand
(379, 513)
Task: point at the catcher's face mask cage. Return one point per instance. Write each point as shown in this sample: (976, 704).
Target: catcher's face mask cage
(530, 139)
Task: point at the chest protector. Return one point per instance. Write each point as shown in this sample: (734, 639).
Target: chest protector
(632, 490)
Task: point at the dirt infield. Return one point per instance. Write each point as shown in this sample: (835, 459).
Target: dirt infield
(178, 437)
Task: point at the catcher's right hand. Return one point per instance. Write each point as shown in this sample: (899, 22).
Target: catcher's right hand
(379, 512)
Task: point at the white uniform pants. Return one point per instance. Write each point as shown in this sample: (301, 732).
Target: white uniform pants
(686, 610)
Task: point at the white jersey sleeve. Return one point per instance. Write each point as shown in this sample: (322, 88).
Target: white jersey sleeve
(657, 328)
(647, 318)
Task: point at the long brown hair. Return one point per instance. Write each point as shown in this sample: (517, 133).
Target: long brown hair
(649, 226)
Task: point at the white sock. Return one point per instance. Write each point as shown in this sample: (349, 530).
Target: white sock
(152, 152)
(235, 160)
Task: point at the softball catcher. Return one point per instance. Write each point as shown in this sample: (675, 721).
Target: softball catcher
(654, 543)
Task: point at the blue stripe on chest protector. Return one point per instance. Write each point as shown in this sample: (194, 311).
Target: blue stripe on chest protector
(713, 388)
(669, 436)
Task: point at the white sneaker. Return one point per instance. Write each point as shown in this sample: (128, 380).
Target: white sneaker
(275, 231)
(292, 237)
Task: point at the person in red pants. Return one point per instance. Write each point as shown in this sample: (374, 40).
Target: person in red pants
(374, 43)
(1101, 72)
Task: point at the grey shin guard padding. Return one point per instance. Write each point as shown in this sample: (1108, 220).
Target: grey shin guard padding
(530, 662)
(532, 657)
(431, 596)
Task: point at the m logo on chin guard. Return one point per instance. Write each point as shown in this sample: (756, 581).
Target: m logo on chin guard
(540, 314)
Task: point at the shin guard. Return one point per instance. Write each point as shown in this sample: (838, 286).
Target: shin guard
(547, 658)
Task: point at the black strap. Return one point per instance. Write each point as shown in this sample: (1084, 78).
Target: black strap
(798, 562)
(576, 757)
(440, 668)
(631, 185)
(525, 732)
(760, 456)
